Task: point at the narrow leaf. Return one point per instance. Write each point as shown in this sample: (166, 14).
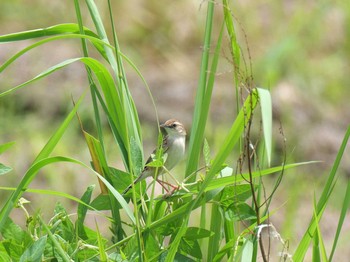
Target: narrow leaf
(345, 207)
(266, 114)
(300, 252)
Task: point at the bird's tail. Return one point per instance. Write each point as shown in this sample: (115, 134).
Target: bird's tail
(127, 189)
(133, 183)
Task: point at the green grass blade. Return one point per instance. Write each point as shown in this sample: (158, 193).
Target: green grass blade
(95, 41)
(101, 248)
(92, 85)
(345, 207)
(226, 181)
(215, 226)
(266, 114)
(28, 177)
(199, 135)
(50, 192)
(44, 32)
(130, 117)
(194, 147)
(53, 141)
(319, 250)
(304, 243)
(235, 48)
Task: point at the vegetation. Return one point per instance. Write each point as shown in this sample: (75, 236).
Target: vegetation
(232, 201)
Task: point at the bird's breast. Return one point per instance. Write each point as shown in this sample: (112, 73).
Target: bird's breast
(175, 152)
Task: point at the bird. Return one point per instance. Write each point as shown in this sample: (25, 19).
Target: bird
(173, 145)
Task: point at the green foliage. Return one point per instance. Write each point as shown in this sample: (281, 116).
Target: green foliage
(58, 239)
(232, 200)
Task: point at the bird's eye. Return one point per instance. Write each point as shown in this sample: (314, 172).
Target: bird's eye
(174, 125)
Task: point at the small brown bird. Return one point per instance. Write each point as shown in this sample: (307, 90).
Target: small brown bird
(173, 145)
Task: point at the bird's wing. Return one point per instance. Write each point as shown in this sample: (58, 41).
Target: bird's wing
(165, 147)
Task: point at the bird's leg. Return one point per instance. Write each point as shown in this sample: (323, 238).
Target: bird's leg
(161, 182)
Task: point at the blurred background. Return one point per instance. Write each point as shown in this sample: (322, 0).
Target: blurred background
(299, 50)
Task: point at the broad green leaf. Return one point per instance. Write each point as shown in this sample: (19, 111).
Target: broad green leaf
(13, 249)
(152, 248)
(235, 193)
(82, 210)
(190, 247)
(5, 257)
(4, 169)
(239, 211)
(15, 233)
(120, 179)
(101, 202)
(197, 233)
(35, 251)
(136, 155)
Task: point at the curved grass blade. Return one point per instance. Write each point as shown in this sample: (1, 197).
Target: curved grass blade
(229, 180)
(32, 172)
(345, 207)
(303, 246)
(42, 32)
(45, 152)
(98, 43)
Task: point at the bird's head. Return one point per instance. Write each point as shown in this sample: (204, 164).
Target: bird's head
(173, 127)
